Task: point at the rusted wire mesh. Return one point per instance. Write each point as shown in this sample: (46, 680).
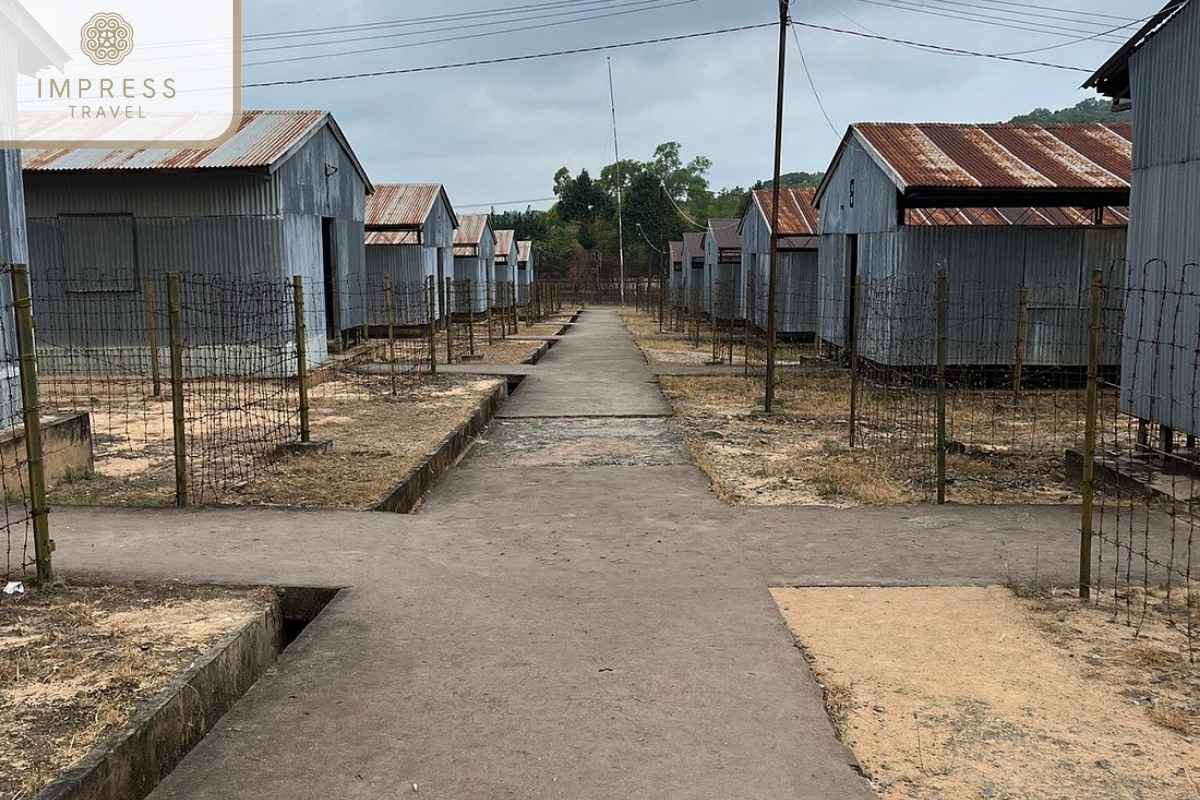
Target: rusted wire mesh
(17, 522)
(105, 348)
(1147, 467)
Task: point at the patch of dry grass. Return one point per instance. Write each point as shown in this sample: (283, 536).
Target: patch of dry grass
(377, 438)
(76, 662)
(800, 454)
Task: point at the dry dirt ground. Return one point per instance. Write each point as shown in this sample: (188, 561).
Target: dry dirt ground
(800, 454)
(1001, 451)
(377, 438)
(673, 347)
(76, 662)
(976, 693)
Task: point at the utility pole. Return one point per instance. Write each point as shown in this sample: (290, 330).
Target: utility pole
(662, 257)
(617, 154)
(772, 268)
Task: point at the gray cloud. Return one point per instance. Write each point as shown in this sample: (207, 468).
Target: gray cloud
(498, 133)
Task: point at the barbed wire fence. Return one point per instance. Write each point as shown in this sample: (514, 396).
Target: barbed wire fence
(1139, 464)
(28, 546)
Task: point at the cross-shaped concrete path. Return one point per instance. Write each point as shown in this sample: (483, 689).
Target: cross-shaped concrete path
(572, 614)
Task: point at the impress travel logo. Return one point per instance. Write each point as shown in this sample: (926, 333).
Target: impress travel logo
(134, 74)
(106, 39)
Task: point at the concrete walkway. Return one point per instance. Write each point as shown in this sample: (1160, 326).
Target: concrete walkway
(572, 614)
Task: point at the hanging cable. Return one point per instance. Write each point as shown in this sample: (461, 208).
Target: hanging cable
(816, 94)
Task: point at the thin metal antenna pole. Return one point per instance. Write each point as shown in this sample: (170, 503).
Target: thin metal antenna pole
(617, 154)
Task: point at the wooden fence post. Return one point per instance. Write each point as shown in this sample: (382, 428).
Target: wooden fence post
(301, 354)
(943, 317)
(389, 300)
(31, 412)
(179, 427)
(1019, 356)
(431, 312)
(1089, 436)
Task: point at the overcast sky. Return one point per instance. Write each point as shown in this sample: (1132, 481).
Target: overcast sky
(498, 133)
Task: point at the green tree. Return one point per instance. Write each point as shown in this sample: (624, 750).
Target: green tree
(1091, 110)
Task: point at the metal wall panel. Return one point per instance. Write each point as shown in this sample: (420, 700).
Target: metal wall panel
(831, 289)
(302, 256)
(867, 206)
(796, 306)
(152, 194)
(1165, 81)
(796, 309)
(986, 267)
(409, 266)
(13, 247)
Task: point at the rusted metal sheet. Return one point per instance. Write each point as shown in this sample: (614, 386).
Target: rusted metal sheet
(676, 252)
(264, 139)
(505, 241)
(1087, 156)
(470, 233)
(1033, 217)
(402, 205)
(524, 248)
(797, 214)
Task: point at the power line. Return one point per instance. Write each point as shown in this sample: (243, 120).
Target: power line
(934, 48)
(1030, 51)
(412, 21)
(1044, 7)
(816, 94)
(642, 7)
(508, 203)
(662, 185)
(977, 18)
(509, 59)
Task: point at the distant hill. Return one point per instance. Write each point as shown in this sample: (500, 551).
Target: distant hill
(793, 179)
(1090, 110)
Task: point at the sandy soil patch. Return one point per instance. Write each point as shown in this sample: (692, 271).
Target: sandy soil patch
(800, 454)
(377, 438)
(976, 693)
(76, 663)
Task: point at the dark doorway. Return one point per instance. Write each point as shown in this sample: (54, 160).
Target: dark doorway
(333, 327)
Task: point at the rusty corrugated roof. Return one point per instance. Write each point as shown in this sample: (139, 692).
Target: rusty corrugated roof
(504, 245)
(264, 140)
(797, 214)
(404, 205)
(694, 242)
(524, 248)
(725, 233)
(1002, 156)
(470, 231)
(676, 251)
(1031, 217)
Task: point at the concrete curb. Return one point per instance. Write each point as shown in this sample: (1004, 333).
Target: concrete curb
(132, 761)
(540, 353)
(405, 495)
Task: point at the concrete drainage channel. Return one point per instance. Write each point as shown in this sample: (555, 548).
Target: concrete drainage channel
(133, 760)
